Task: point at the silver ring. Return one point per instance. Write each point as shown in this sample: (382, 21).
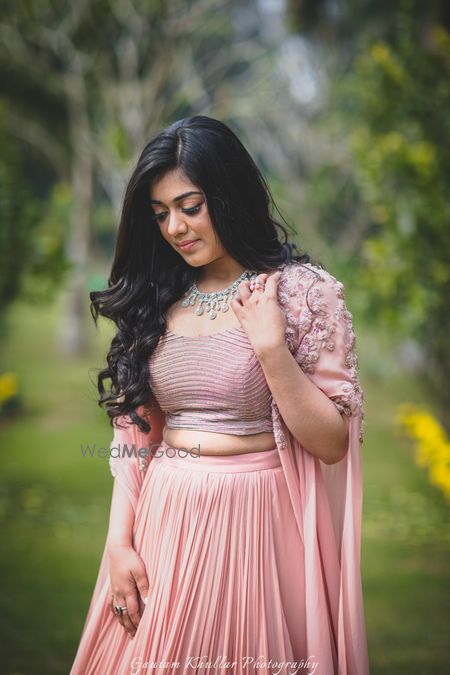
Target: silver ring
(119, 610)
(256, 282)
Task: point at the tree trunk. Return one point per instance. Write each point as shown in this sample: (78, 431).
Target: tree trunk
(74, 329)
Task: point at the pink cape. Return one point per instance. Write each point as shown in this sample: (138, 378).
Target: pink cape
(327, 499)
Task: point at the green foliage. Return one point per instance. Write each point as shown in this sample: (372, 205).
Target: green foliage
(104, 230)
(392, 115)
(47, 263)
(16, 221)
(117, 143)
(31, 233)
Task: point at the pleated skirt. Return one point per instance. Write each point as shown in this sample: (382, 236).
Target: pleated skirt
(225, 565)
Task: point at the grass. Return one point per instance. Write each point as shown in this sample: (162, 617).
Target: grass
(54, 503)
(54, 507)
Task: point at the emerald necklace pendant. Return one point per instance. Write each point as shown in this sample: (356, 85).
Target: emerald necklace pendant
(211, 303)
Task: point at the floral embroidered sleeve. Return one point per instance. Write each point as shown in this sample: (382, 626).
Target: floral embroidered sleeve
(326, 343)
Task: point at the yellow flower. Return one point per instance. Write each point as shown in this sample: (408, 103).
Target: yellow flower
(432, 447)
(8, 386)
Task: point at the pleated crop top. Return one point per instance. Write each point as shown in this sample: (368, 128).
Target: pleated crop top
(211, 383)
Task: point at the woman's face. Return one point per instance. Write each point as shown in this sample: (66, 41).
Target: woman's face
(181, 213)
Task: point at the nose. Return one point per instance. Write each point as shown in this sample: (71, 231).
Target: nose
(176, 223)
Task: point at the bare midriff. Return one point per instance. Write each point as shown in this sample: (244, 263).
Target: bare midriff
(211, 443)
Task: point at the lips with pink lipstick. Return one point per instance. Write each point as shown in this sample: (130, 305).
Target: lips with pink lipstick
(188, 244)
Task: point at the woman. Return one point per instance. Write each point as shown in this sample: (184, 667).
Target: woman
(234, 534)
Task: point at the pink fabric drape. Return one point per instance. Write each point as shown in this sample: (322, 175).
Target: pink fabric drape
(129, 455)
(128, 468)
(327, 499)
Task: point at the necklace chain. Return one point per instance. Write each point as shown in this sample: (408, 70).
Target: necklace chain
(211, 303)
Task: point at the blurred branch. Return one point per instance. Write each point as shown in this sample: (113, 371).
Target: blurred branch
(40, 139)
(182, 18)
(21, 53)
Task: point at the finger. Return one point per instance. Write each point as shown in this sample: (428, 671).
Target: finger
(133, 608)
(244, 291)
(124, 619)
(272, 285)
(259, 278)
(236, 302)
(127, 624)
(258, 283)
(141, 580)
(236, 305)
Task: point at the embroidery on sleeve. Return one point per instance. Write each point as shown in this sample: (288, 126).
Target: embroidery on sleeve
(280, 437)
(325, 320)
(293, 281)
(143, 463)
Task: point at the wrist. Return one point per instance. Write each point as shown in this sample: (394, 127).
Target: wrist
(268, 352)
(118, 541)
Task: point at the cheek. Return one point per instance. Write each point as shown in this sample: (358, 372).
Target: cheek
(204, 229)
(210, 237)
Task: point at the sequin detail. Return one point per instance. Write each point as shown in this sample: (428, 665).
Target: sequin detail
(318, 321)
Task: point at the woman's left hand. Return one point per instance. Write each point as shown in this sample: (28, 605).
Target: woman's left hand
(259, 312)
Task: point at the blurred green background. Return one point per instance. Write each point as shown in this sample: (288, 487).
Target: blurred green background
(344, 104)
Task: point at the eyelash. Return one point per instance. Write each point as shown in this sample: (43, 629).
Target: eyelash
(190, 212)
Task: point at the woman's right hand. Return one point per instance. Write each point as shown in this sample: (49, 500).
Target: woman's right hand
(128, 580)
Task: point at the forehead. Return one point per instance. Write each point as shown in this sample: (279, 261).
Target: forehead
(172, 187)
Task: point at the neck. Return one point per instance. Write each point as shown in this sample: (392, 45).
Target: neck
(218, 275)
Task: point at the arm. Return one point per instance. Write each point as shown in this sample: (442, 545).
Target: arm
(310, 415)
(127, 571)
(121, 518)
(318, 399)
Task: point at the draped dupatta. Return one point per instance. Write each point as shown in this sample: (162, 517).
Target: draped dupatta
(326, 499)
(130, 453)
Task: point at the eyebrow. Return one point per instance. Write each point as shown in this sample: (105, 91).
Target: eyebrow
(177, 199)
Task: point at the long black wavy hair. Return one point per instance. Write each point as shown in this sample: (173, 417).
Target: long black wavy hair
(148, 275)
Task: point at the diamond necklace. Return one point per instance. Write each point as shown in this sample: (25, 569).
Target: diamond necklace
(211, 303)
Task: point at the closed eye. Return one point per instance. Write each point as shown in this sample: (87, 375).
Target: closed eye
(190, 212)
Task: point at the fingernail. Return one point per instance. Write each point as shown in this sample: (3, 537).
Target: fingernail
(145, 600)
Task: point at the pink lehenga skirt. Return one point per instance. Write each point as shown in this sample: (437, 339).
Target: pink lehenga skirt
(225, 566)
